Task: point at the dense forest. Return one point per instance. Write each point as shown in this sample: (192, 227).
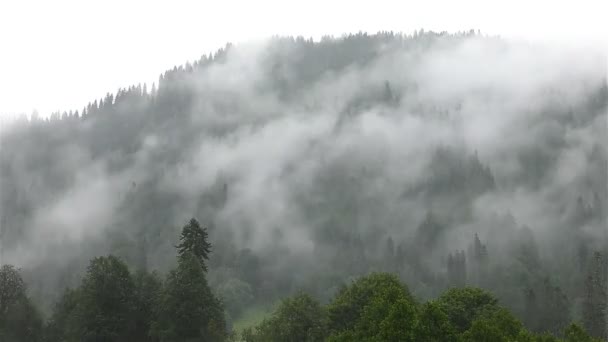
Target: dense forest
(387, 187)
(112, 304)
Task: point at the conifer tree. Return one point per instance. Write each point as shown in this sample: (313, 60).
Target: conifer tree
(194, 240)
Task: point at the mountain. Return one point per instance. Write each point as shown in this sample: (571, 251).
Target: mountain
(480, 159)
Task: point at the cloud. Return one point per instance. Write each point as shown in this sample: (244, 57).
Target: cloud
(293, 163)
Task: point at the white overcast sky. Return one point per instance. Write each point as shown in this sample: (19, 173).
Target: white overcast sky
(60, 54)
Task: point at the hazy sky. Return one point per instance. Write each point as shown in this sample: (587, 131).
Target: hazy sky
(59, 55)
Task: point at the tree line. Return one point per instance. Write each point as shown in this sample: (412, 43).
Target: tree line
(361, 211)
(113, 304)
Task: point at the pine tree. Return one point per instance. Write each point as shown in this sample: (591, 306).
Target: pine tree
(478, 255)
(457, 269)
(188, 310)
(194, 240)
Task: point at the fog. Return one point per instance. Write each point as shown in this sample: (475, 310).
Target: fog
(295, 149)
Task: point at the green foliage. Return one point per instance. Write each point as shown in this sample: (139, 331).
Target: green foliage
(494, 325)
(63, 324)
(19, 319)
(433, 324)
(147, 291)
(349, 304)
(464, 305)
(544, 337)
(379, 308)
(187, 308)
(356, 195)
(299, 318)
(23, 323)
(373, 308)
(389, 317)
(109, 305)
(389, 314)
(107, 300)
(574, 333)
(194, 240)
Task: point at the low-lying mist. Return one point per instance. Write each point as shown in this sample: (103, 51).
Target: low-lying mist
(313, 162)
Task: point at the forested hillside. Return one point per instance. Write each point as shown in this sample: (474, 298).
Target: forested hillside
(454, 162)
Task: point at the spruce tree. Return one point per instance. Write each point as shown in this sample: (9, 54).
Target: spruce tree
(194, 240)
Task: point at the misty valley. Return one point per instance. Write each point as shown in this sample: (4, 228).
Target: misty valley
(372, 187)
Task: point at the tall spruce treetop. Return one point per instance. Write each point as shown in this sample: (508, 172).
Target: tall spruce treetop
(194, 240)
